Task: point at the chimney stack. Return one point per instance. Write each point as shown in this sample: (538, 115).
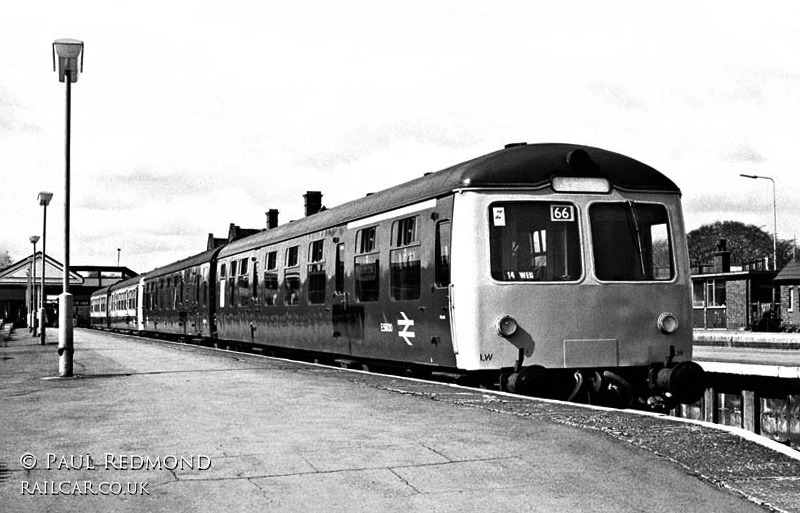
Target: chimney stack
(313, 202)
(272, 218)
(722, 257)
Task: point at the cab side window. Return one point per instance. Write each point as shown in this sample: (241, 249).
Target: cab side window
(442, 254)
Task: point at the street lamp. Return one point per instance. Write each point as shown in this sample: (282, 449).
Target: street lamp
(68, 51)
(774, 229)
(774, 220)
(32, 303)
(44, 200)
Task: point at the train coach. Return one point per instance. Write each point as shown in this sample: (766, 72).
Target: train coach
(118, 306)
(552, 269)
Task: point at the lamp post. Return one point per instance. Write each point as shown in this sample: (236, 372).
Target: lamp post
(774, 227)
(44, 200)
(28, 298)
(118, 250)
(68, 51)
(32, 303)
(774, 220)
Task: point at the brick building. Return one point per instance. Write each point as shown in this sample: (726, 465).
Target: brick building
(789, 282)
(731, 297)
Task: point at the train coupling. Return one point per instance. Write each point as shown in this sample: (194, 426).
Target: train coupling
(685, 382)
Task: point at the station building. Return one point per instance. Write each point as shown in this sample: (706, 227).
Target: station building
(789, 282)
(732, 297)
(19, 291)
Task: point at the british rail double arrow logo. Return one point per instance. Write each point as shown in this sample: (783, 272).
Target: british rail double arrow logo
(406, 324)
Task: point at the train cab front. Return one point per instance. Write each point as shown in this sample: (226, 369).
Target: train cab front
(587, 295)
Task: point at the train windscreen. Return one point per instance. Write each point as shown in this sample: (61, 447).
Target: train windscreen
(631, 241)
(535, 241)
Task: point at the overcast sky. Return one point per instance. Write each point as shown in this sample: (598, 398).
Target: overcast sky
(193, 115)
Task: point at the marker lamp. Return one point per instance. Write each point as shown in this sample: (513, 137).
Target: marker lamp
(667, 323)
(506, 326)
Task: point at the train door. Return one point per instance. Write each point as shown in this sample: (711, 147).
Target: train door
(347, 316)
(180, 302)
(416, 315)
(139, 305)
(441, 294)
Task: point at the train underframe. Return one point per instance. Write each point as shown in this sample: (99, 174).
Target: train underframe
(658, 387)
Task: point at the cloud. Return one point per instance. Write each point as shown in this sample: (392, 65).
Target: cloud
(618, 95)
(367, 139)
(743, 154)
(10, 122)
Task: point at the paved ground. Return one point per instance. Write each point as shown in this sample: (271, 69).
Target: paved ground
(255, 434)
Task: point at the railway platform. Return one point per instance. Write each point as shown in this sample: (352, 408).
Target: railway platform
(753, 381)
(747, 353)
(153, 426)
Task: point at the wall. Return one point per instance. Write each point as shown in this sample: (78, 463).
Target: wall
(789, 317)
(737, 297)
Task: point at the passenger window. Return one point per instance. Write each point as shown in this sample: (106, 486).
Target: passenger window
(405, 274)
(232, 295)
(366, 240)
(292, 256)
(339, 281)
(404, 264)
(244, 283)
(442, 254)
(315, 251)
(272, 261)
(255, 279)
(404, 231)
(316, 273)
(292, 292)
(367, 274)
(366, 268)
(270, 288)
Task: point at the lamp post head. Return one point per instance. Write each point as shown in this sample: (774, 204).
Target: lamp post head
(748, 176)
(68, 51)
(34, 239)
(44, 198)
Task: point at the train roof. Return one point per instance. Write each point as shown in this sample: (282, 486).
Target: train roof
(125, 283)
(522, 165)
(101, 292)
(180, 265)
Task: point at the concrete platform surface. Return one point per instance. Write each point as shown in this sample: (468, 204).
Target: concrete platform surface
(150, 426)
(774, 355)
(747, 339)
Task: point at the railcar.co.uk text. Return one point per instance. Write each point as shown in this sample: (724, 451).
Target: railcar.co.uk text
(109, 462)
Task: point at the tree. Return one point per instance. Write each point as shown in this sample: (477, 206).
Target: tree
(5, 259)
(746, 242)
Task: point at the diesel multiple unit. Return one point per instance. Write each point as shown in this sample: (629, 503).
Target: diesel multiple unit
(551, 269)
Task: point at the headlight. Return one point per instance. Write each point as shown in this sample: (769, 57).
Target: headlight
(667, 323)
(506, 325)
